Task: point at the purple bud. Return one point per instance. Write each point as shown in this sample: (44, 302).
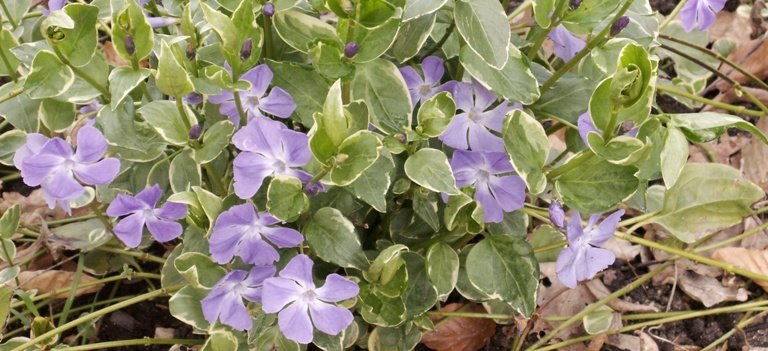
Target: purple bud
(556, 214)
(351, 49)
(195, 132)
(620, 24)
(245, 51)
(574, 4)
(130, 45)
(269, 9)
(191, 52)
(313, 188)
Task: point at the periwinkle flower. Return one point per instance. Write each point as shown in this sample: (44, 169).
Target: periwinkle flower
(700, 13)
(140, 211)
(240, 231)
(256, 101)
(583, 258)
(496, 190)
(556, 214)
(566, 45)
(471, 128)
(59, 170)
(268, 148)
(422, 89)
(301, 305)
(225, 301)
(585, 126)
(54, 5)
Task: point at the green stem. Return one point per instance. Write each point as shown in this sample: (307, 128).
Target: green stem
(140, 255)
(520, 9)
(11, 71)
(267, 22)
(9, 177)
(574, 162)
(183, 113)
(11, 94)
(70, 220)
(214, 179)
(638, 219)
(741, 325)
(91, 316)
(80, 73)
(672, 14)
(76, 309)
(724, 106)
(8, 15)
(441, 42)
(73, 291)
(587, 49)
(101, 216)
(136, 342)
(240, 110)
(736, 238)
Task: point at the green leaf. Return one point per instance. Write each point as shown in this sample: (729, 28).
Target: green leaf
(504, 267)
(86, 235)
(483, 25)
(11, 141)
(568, 98)
(589, 15)
(79, 43)
(286, 199)
(430, 169)
(598, 321)
(185, 306)
(527, 145)
(171, 78)
(386, 265)
(514, 81)
(546, 236)
(49, 77)
(596, 185)
(9, 222)
(129, 139)
(356, 154)
(7, 42)
(417, 8)
(425, 206)
(327, 60)
(332, 237)
(199, 269)
(223, 27)
(706, 197)
(20, 111)
(375, 41)
(709, 125)
(404, 337)
(220, 341)
(185, 172)
(6, 293)
(165, 118)
(381, 86)
(215, 140)
(674, 156)
(435, 114)
(122, 80)
(443, 268)
(420, 295)
(621, 150)
(373, 184)
(300, 30)
(306, 86)
(542, 9)
(132, 23)
(332, 126)
(56, 115)
(412, 36)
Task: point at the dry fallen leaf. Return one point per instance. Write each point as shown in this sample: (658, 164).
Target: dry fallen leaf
(751, 260)
(556, 300)
(754, 155)
(731, 25)
(643, 342)
(34, 207)
(709, 290)
(460, 333)
(53, 280)
(597, 288)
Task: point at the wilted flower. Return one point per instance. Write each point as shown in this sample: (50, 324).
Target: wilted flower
(423, 89)
(556, 214)
(470, 129)
(141, 210)
(566, 45)
(295, 296)
(268, 148)
(225, 301)
(498, 193)
(256, 101)
(56, 168)
(240, 231)
(700, 13)
(583, 258)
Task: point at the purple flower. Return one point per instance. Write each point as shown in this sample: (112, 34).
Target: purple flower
(240, 231)
(470, 129)
(423, 89)
(256, 101)
(54, 5)
(295, 296)
(225, 301)
(585, 126)
(556, 214)
(53, 165)
(566, 45)
(141, 210)
(90, 108)
(496, 192)
(619, 25)
(700, 13)
(269, 148)
(582, 259)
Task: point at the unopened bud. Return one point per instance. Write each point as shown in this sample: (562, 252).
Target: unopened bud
(130, 45)
(313, 188)
(556, 214)
(269, 9)
(351, 49)
(620, 24)
(245, 51)
(574, 4)
(191, 52)
(401, 137)
(195, 132)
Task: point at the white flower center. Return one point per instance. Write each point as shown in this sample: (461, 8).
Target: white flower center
(474, 115)
(254, 100)
(424, 89)
(308, 296)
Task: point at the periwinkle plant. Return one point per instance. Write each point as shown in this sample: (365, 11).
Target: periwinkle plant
(329, 172)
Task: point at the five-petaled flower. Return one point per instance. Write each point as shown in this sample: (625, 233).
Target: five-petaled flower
(294, 295)
(225, 301)
(240, 231)
(256, 101)
(566, 45)
(56, 168)
(583, 258)
(422, 89)
(141, 210)
(268, 148)
(470, 129)
(700, 13)
(496, 192)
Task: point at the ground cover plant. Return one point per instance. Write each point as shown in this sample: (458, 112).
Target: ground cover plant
(377, 174)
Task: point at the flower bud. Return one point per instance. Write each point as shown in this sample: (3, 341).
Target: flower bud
(130, 45)
(351, 49)
(574, 4)
(556, 214)
(313, 188)
(269, 9)
(620, 24)
(195, 131)
(191, 52)
(245, 51)
(401, 137)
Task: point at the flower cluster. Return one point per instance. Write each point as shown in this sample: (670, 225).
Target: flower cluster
(140, 211)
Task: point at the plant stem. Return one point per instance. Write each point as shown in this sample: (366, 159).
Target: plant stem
(101, 216)
(441, 42)
(183, 113)
(724, 106)
(91, 316)
(672, 14)
(267, 22)
(736, 238)
(741, 325)
(11, 94)
(520, 9)
(73, 291)
(638, 219)
(574, 162)
(215, 179)
(84, 76)
(11, 71)
(139, 342)
(8, 14)
(240, 110)
(71, 219)
(140, 255)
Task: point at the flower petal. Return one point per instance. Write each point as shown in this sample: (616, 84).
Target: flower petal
(150, 196)
(606, 229)
(250, 169)
(566, 266)
(260, 77)
(99, 173)
(492, 212)
(433, 69)
(295, 324)
(574, 230)
(337, 288)
(253, 250)
(509, 192)
(91, 145)
(125, 204)
(278, 292)
(299, 269)
(35, 169)
(129, 229)
(172, 210)
(328, 318)
(278, 103)
(163, 230)
(283, 237)
(455, 135)
(234, 314)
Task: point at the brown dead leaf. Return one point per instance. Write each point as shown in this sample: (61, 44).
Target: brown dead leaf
(751, 56)
(556, 300)
(758, 241)
(597, 288)
(54, 280)
(33, 207)
(751, 260)
(732, 25)
(709, 290)
(754, 156)
(460, 333)
(642, 342)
